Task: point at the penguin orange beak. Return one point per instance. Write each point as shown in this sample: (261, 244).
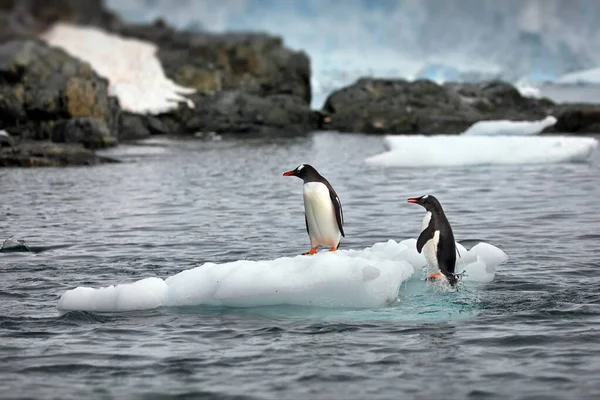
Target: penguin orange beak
(414, 200)
(289, 173)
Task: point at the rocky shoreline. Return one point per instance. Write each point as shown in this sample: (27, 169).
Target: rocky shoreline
(397, 106)
(56, 110)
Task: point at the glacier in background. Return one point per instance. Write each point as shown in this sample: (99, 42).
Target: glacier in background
(535, 40)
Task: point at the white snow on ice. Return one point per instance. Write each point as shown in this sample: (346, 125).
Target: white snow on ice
(509, 128)
(131, 66)
(460, 150)
(368, 278)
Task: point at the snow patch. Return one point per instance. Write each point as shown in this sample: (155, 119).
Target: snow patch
(131, 66)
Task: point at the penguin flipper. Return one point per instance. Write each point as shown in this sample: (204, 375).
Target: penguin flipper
(423, 239)
(337, 207)
(306, 222)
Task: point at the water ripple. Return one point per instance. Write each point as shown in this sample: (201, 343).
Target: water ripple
(529, 334)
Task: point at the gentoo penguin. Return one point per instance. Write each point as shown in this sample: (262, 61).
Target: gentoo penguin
(322, 209)
(436, 239)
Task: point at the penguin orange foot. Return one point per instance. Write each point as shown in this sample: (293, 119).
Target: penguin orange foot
(313, 250)
(333, 249)
(433, 277)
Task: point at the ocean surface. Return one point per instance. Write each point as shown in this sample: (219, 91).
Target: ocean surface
(174, 204)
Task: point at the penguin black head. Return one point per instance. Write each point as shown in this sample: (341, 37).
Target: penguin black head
(429, 202)
(306, 172)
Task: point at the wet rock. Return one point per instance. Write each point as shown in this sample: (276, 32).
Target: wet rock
(46, 154)
(47, 95)
(91, 133)
(133, 127)
(239, 112)
(136, 126)
(403, 107)
(40, 83)
(577, 118)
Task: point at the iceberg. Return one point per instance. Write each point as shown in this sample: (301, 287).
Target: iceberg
(466, 150)
(133, 70)
(588, 76)
(509, 128)
(368, 278)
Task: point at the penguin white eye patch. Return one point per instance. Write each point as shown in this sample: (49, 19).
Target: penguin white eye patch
(299, 168)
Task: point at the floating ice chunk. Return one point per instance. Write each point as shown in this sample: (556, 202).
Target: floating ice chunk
(131, 66)
(509, 128)
(368, 278)
(588, 76)
(492, 255)
(450, 150)
(4, 133)
(144, 294)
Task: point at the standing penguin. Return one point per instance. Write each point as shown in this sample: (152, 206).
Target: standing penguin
(322, 209)
(436, 239)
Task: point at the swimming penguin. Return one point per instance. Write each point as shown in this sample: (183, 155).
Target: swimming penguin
(436, 239)
(322, 209)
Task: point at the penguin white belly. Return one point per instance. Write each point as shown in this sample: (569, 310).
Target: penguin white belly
(320, 215)
(430, 248)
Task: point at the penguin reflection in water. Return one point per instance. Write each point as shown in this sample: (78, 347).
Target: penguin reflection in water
(322, 209)
(437, 240)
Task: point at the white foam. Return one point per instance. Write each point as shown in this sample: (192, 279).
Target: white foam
(461, 150)
(368, 278)
(509, 128)
(588, 76)
(131, 66)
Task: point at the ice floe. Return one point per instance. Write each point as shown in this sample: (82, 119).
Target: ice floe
(467, 150)
(368, 278)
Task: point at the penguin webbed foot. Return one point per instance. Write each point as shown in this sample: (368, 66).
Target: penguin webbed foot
(312, 251)
(433, 277)
(333, 249)
(452, 279)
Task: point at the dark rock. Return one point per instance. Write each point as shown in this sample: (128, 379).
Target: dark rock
(136, 126)
(25, 19)
(255, 63)
(396, 106)
(239, 112)
(12, 100)
(133, 127)
(46, 82)
(45, 154)
(5, 139)
(92, 133)
(577, 118)
(45, 94)
(156, 126)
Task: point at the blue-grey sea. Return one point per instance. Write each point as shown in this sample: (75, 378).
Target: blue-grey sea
(173, 204)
